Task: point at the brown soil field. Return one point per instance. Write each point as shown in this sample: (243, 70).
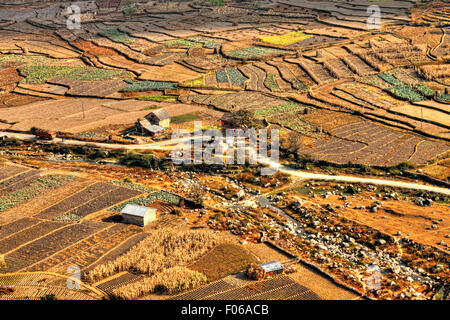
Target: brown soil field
(330, 120)
(174, 72)
(78, 199)
(87, 251)
(22, 237)
(35, 286)
(9, 77)
(16, 100)
(48, 245)
(7, 171)
(93, 49)
(419, 35)
(75, 115)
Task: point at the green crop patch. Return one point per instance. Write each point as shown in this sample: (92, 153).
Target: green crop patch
(236, 77)
(389, 78)
(300, 86)
(182, 43)
(280, 109)
(257, 52)
(184, 118)
(40, 186)
(148, 85)
(271, 82)
(116, 35)
(206, 42)
(405, 92)
(221, 76)
(158, 98)
(425, 91)
(37, 74)
(444, 98)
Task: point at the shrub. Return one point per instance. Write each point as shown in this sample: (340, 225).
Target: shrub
(10, 142)
(147, 161)
(255, 272)
(405, 165)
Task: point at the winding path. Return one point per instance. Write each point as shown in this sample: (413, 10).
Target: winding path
(166, 145)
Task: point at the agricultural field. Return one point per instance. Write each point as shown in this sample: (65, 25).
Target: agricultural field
(88, 117)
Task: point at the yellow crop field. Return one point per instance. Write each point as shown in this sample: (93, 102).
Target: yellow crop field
(286, 39)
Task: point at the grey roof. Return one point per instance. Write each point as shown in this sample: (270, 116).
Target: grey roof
(135, 210)
(161, 114)
(271, 266)
(154, 128)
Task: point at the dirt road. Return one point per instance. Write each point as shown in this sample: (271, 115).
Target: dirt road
(164, 145)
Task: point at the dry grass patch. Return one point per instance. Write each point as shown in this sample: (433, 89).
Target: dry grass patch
(161, 250)
(170, 281)
(223, 260)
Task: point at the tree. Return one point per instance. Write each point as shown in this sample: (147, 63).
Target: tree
(255, 272)
(245, 119)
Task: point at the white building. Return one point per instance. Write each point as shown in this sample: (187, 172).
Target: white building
(138, 215)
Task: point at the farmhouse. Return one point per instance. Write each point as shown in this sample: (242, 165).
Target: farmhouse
(146, 128)
(159, 117)
(272, 267)
(138, 215)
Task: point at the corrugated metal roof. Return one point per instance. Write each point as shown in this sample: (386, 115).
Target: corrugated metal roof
(271, 266)
(135, 210)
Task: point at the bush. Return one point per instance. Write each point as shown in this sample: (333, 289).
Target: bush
(255, 272)
(147, 161)
(351, 190)
(10, 142)
(405, 165)
(176, 212)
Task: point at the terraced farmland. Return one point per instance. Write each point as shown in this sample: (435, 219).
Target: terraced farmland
(375, 145)
(280, 288)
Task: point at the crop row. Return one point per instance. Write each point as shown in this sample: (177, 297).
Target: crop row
(34, 189)
(47, 246)
(76, 200)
